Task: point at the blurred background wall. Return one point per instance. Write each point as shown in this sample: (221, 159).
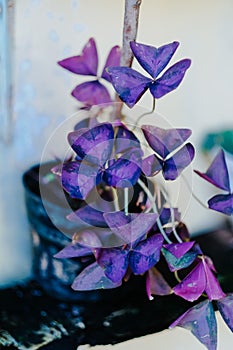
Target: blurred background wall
(47, 31)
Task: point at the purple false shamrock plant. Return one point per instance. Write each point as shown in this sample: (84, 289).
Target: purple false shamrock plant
(129, 236)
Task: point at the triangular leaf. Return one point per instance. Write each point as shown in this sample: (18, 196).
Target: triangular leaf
(193, 285)
(225, 306)
(156, 284)
(130, 227)
(165, 141)
(114, 262)
(222, 203)
(93, 277)
(146, 254)
(112, 60)
(92, 93)
(179, 249)
(213, 288)
(73, 251)
(171, 79)
(93, 145)
(129, 84)
(84, 64)
(174, 263)
(174, 165)
(201, 321)
(217, 173)
(153, 59)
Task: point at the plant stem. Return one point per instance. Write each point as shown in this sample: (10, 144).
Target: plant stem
(115, 198)
(154, 208)
(144, 114)
(177, 276)
(193, 195)
(130, 28)
(126, 200)
(172, 216)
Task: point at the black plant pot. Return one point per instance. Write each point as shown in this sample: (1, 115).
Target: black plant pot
(55, 276)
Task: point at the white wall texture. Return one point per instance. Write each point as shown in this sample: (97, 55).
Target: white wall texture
(47, 31)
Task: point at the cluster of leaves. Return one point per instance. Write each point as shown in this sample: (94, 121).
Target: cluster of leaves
(109, 159)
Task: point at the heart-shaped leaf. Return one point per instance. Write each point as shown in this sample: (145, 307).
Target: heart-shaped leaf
(146, 254)
(84, 64)
(165, 141)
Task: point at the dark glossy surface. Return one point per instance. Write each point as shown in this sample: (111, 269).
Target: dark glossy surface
(28, 316)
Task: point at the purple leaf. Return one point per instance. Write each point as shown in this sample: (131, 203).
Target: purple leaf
(88, 215)
(93, 277)
(74, 136)
(129, 84)
(178, 162)
(222, 203)
(114, 262)
(175, 264)
(88, 238)
(217, 173)
(151, 165)
(95, 144)
(92, 93)
(86, 63)
(113, 59)
(83, 124)
(79, 179)
(201, 321)
(213, 289)
(146, 254)
(164, 141)
(200, 279)
(156, 284)
(225, 306)
(210, 263)
(153, 59)
(122, 173)
(125, 139)
(171, 79)
(179, 249)
(73, 251)
(130, 227)
(97, 237)
(165, 215)
(193, 285)
(134, 155)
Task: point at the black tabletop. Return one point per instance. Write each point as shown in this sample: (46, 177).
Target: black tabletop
(30, 319)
